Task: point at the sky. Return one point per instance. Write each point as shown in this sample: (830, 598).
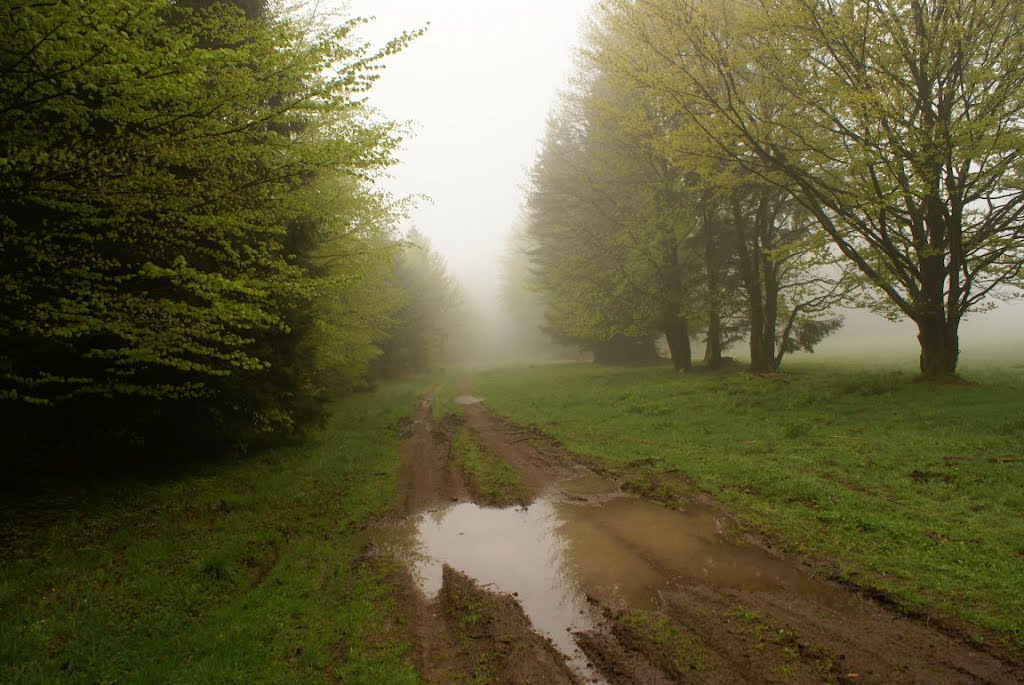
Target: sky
(477, 88)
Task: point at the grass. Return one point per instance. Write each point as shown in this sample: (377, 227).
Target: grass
(912, 488)
(683, 652)
(444, 404)
(497, 483)
(241, 572)
(467, 610)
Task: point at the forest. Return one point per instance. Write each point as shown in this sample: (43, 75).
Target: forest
(195, 254)
(259, 425)
(734, 172)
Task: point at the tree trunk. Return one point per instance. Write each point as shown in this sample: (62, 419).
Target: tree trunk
(712, 259)
(770, 312)
(677, 333)
(760, 280)
(762, 355)
(940, 346)
(937, 326)
(757, 342)
(713, 351)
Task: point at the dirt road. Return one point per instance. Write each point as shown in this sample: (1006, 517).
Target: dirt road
(583, 582)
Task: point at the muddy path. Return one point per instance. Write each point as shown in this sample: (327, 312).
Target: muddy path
(428, 476)
(584, 582)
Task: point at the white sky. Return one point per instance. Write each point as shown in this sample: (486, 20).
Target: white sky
(477, 87)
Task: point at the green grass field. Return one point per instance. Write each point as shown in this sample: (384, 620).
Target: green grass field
(241, 573)
(248, 571)
(913, 488)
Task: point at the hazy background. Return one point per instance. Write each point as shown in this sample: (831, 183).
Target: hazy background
(477, 88)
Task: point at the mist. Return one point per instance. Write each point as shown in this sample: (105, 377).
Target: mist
(476, 91)
(393, 341)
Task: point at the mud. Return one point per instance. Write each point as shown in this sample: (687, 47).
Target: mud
(428, 476)
(590, 583)
(537, 470)
(516, 551)
(470, 634)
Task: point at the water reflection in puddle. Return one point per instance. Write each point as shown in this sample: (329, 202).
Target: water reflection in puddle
(586, 537)
(468, 399)
(516, 550)
(628, 550)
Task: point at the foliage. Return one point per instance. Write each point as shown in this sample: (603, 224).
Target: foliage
(188, 235)
(605, 224)
(753, 250)
(428, 312)
(896, 124)
(638, 228)
(806, 333)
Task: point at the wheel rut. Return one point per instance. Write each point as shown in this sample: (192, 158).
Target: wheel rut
(583, 582)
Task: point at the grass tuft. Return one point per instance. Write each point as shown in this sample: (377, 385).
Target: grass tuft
(495, 481)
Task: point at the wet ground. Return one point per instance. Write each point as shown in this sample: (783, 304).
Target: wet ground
(587, 583)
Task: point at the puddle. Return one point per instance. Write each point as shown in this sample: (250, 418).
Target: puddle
(588, 538)
(515, 550)
(628, 550)
(468, 399)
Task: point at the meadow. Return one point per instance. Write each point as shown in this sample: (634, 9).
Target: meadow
(251, 569)
(245, 571)
(908, 489)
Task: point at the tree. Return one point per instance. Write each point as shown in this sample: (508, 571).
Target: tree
(428, 311)
(187, 216)
(610, 222)
(897, 124)
(525, 307)
(788, 280)
(757, 256)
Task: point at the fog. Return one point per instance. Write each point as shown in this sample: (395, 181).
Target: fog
(995, 336)
(476, 90)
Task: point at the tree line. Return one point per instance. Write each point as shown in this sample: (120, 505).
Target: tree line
(736, 169)
(192, 248)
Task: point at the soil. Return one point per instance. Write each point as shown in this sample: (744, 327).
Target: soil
(429, 476)
(657, 607)
(469, 634)
(466, 633)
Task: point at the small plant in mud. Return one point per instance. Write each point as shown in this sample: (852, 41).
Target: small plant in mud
(648, 484)
(744, 614)
(788, 659)
(492, 638)
(663, 641)
(760, 630)
(466, 612)
(495, 481)
(443, 404)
